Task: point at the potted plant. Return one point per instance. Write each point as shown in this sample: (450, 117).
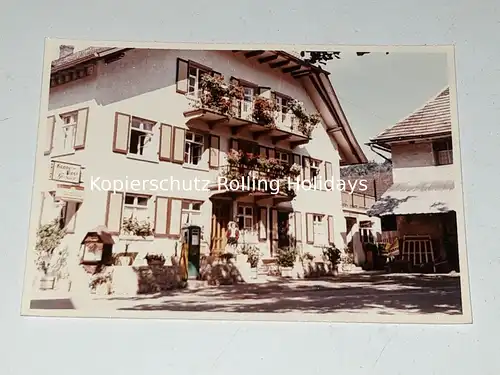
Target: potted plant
(253, 255)
(101, 283)
(49, 237)
(286, 257)
(306, 122)
(263, 111)
(332, 255)
(134, 227)
(155, 259)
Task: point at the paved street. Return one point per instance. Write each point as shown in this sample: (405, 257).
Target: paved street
(368, 294)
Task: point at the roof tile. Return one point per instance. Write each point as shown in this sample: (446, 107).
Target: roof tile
(433, 118)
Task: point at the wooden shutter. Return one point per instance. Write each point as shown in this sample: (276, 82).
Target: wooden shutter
(70, 216)
(263, 223)
(161, 209)
(263, 151)
(274, 219)
(298, 226)
(271, 153)
(181, 78)
(174, 217)
(321, 175)
(214, 155)
(178, 145)
(265, 92)
(42, 204)
(121, 133)
(114, 212)
(309, 228)
(81, 128)
(236, 102)
(331, 234)
(291, 224)
(234, 144)
(328, 174)
(306, 168)
(49, 134)
(165, 152)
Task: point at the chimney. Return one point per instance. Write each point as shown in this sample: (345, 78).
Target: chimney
(65, 50)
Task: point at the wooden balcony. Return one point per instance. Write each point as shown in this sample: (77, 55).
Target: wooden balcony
(283, 130)
(255, 181)
(357, 201)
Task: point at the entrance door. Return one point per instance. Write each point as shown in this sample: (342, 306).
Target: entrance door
(283, 232)
(221, 215)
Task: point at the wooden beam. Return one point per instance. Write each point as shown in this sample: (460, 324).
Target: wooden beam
(301, 73)
(280, 138)
(253, 53)
(291, 69)
(257, 135)
(236, 129)
(263, 60)
(333, 130)
(214, 123)
(298, 143)
(279, 63)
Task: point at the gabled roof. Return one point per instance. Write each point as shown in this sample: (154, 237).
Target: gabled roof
(433, 119)
(431, 197)
(288, 62)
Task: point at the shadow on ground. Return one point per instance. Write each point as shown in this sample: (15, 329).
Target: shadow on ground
(385, 294)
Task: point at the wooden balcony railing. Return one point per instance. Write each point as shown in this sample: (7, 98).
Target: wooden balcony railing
(357, 200)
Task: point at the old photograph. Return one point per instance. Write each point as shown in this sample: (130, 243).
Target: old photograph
(298, 183)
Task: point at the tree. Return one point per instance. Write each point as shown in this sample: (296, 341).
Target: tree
(322, 57)
(367, 169)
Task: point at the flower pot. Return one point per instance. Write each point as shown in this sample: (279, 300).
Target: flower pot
(103, 289)
(124, 260)
(156, 263)
(286, 271)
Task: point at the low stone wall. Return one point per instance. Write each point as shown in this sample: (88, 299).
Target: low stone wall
(219, 272)
(131, 281)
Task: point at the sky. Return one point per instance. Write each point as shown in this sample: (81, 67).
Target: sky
(377, 90)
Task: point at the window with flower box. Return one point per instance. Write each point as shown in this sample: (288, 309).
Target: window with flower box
(195, 76)
(136, 206)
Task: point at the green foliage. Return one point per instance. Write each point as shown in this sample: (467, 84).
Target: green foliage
(332, 254)
(49, 237)
(134, 227)
(253, 254)
(286, 256)
(366, 169)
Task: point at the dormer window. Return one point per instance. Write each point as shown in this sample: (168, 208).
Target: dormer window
(443, 152)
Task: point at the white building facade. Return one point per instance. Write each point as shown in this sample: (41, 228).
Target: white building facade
(121, 117)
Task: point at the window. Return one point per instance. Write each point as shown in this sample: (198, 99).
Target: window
(136, 206)
(319, 230)
(142, 138)
(191, 212)
(68, 131)
(443, 152)
(247, 102)
(283, 157)
(314, 168)
(193, 149)
(282, 110)
(194, 80)
(245, 217)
